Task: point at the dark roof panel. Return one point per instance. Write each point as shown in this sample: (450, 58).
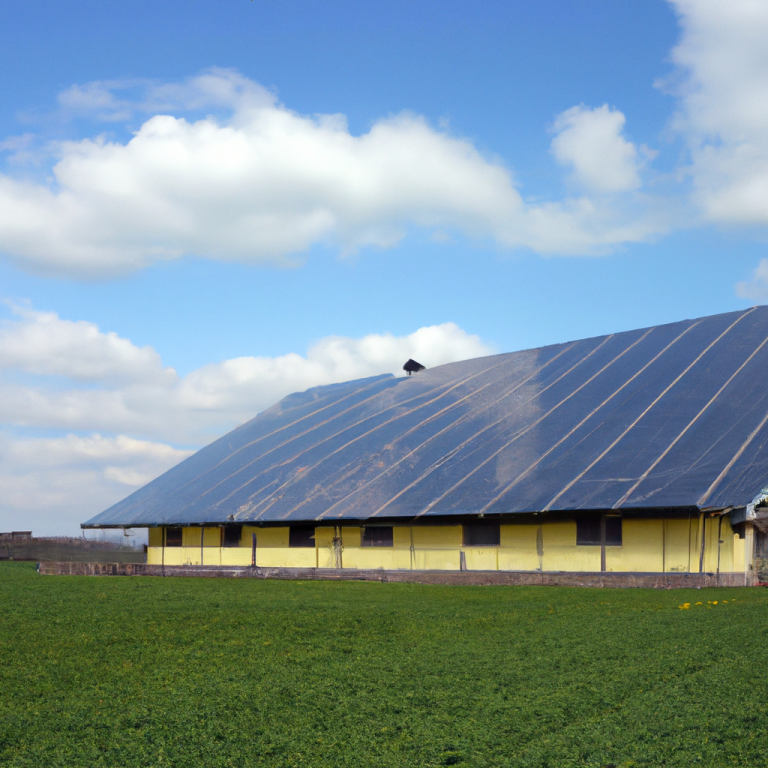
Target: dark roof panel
(671, 416)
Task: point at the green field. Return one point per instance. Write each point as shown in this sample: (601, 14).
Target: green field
(194, 672)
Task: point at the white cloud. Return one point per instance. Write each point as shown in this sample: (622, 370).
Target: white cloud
(755, 289)
(591, 142)
(97, 98)
(42, 343)
(129, 390)
(52, 484)
(131, 413)
(117, 100)
(722, 83)
(260, 183)
(113, 456)
(267, 184)
(232, 384)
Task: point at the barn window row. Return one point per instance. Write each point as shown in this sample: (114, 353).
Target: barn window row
(590, 531)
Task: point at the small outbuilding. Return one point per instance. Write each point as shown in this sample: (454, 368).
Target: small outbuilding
(643, 451)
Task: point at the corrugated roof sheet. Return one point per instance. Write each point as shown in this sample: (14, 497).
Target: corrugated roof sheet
(670, 416)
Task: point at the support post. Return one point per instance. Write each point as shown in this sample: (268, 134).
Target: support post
(253, 550)
(719, 542)
(540, 546)
(602, 542)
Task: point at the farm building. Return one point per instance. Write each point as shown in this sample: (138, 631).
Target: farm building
(643, 451)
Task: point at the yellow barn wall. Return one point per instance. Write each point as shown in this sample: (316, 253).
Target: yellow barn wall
(518, 548)
(710, 544)
(350, 537)
(388, 558)
(236, 555)
(211, 537)
(272, 550)
(154, 555)
(726, 548)
(482, 558)
(649, 545)
(174, 556)
(402, 537)
(694, 542)
(326, 550)
(436, 547)
(155, 546)
(444, 536)
(677, 545)
(190, 538)
(436, 560)
(561, 552)
(288, 557)
(642, 547)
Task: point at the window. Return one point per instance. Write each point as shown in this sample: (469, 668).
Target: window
(612, 531)
(173, 537)
(377, 536)
(588, 531)
(301, 536)
(232, 535)
(482, 535)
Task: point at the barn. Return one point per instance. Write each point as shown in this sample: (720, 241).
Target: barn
(636, 452)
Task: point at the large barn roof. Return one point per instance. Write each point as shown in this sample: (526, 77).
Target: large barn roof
(670, 416)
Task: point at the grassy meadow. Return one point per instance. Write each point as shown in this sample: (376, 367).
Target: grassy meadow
(120, 672)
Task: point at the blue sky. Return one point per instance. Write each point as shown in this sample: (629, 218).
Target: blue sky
(186, 235)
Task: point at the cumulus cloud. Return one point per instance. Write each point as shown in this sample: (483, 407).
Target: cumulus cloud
(126, 418)
(130, 390)
(591, 141)
(42, 343)
(54, 483)
(259, 183)
(755, 289)
(722, 83)
(265, 184)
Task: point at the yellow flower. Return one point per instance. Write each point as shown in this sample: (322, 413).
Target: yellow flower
(699, 603)
(715, 603)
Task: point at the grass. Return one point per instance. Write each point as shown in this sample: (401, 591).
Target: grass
(120, 672)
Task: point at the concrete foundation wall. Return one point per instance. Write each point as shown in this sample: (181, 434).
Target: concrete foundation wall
(469, 578)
